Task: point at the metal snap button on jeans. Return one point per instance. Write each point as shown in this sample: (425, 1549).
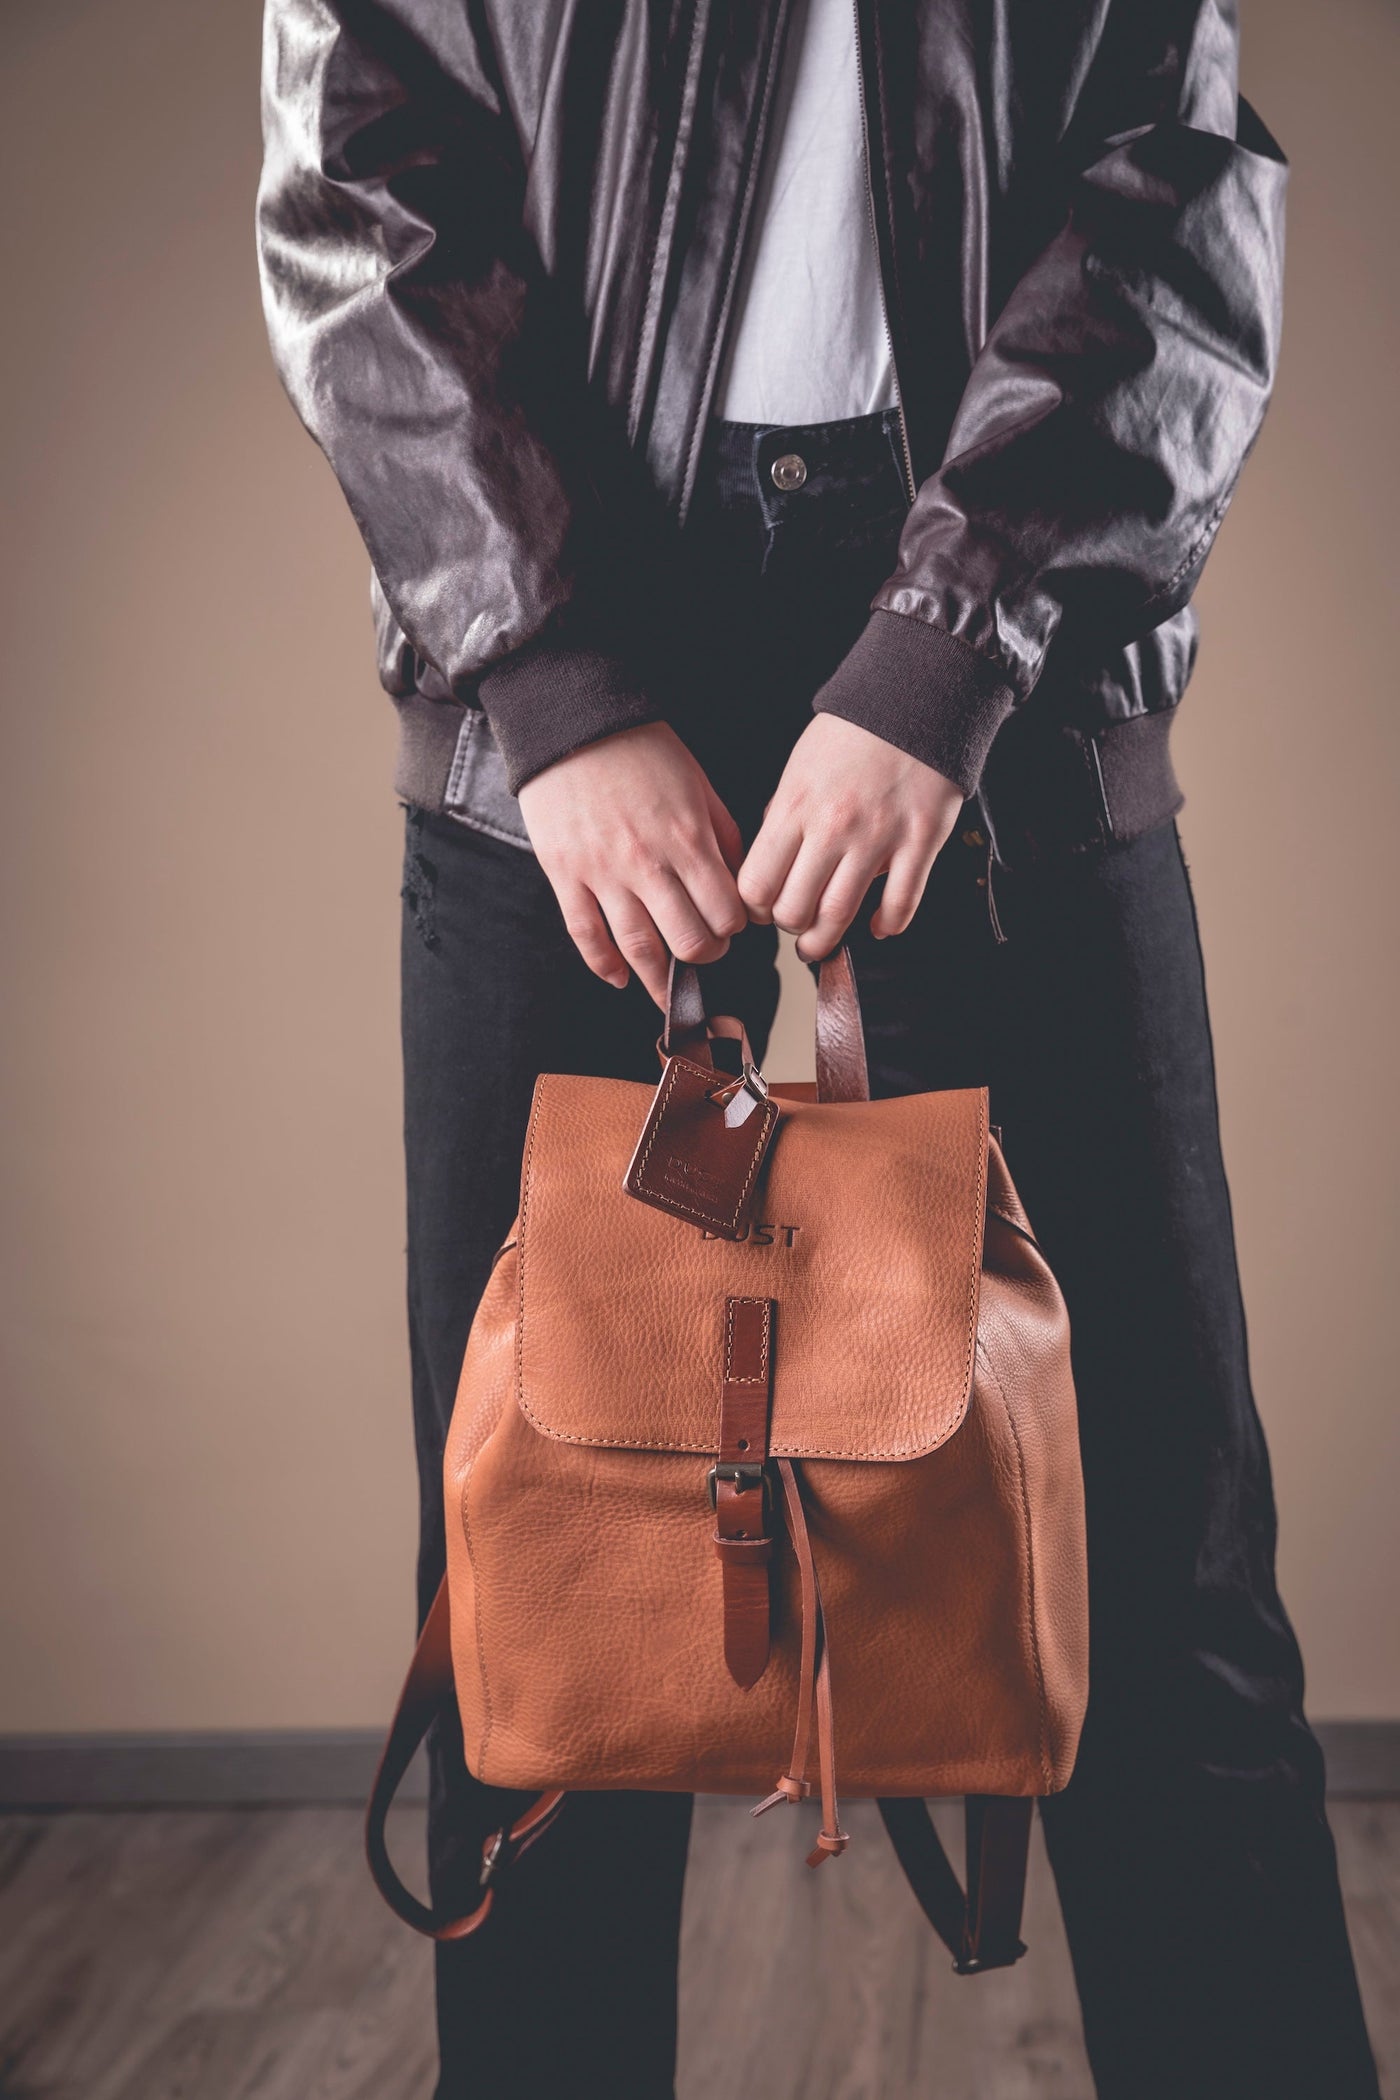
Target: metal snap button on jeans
(789, 470)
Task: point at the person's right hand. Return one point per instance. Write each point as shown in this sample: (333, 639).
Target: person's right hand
(641, 853)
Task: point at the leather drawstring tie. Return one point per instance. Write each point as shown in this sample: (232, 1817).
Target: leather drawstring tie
(813, 1692)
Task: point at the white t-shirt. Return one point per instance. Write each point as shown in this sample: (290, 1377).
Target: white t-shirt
(808, 341)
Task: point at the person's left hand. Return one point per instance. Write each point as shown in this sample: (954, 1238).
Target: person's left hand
(849, 807)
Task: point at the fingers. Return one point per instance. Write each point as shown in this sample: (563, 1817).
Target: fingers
(838, 905)
(587, 929)
(795, 906)
(708, 886)
(769, 857)
(849, 807)
(620, 932)
(645, 917)
(727, 835)
(635, 932)
(904, 888)
(641, 853)
(686, 932)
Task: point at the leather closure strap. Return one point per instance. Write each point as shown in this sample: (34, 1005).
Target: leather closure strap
(740, 1487)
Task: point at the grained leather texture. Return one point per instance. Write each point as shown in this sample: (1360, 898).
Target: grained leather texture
(874, 1263)
(586, 1593)
(842, 1072)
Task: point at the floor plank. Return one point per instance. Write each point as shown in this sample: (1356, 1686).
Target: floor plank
(839, 1991)
(240, 1954)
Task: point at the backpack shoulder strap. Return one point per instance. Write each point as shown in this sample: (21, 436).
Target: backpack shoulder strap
(426, 1689)
(982, 1928)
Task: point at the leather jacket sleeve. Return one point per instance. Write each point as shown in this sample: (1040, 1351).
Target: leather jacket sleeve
(1108, 415)
(409, 316)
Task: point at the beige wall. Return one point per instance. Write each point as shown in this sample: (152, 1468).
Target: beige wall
(206, 1506)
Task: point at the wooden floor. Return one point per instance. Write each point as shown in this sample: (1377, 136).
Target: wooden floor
(239, 1954)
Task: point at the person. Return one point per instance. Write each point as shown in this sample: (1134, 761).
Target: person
(786, 439)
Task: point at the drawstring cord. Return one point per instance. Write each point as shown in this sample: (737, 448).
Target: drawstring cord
(813, 1692)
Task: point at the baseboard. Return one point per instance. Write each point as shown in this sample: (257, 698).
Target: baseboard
(326, 1767)
(238, 1769)
(1363, 1758)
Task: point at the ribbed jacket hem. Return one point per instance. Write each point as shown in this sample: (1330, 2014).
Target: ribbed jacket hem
(923, 690)
(551, 696)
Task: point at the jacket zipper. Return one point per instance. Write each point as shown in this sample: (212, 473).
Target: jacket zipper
(644, 360)
(736, 259)
(910, 485)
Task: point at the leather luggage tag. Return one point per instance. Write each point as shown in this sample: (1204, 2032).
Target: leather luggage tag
(702, 1145)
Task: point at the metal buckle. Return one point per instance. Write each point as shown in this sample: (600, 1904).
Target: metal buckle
(755, 1082)
(745, 1476)
(491, 1858)
(740, 1097)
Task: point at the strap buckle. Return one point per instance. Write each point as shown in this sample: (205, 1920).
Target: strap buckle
(745, 1475)
(740, 1097)
(491, 1856)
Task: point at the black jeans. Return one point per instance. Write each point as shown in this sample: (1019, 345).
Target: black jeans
(1191, 1852)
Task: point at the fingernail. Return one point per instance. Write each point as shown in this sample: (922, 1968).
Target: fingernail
(620, 980)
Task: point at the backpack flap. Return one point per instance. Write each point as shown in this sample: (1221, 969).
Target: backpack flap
(867, 1236)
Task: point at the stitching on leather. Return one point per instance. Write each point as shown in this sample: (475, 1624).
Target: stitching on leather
(651, 1443)
(767, 1116)
(761, 1377)
(980, 1215)
(488, 1716)
(1044, 1705)
(526, 1182)
(1198, 545)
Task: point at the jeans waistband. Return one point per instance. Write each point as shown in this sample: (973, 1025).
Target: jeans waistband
(823, 487)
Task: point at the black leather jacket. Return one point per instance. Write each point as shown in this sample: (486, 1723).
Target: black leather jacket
(499, 245)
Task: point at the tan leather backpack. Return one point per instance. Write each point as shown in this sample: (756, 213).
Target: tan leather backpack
(718, 1503)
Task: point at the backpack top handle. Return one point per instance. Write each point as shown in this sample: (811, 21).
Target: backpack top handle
(842, 1072)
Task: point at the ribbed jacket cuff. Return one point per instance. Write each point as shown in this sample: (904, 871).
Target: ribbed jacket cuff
(923, 690)
(552, 695)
